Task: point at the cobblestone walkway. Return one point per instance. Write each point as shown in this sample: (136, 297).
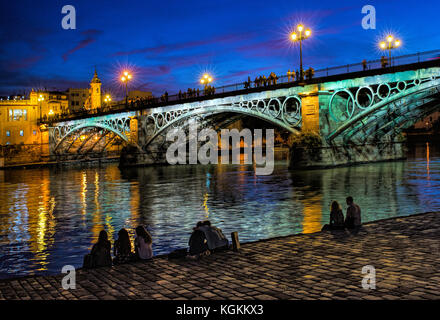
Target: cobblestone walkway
(405, 252)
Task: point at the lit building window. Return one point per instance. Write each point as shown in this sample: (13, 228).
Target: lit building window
(18, 114)
(34, 132)
(10, 114)
(21, 133)
(8, 133)
(25, 114)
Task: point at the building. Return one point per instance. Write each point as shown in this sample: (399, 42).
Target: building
(19, 118)
(95, 97)
(86, 99)
(77, 99)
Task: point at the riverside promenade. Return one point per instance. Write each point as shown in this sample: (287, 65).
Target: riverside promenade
(405, 252)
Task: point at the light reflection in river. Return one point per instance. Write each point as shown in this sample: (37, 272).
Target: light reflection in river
(51, 217)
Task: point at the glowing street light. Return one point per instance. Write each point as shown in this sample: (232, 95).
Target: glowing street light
(300, 36)
(107, 98)
(206, 80)
(389, 44)
(125, 78)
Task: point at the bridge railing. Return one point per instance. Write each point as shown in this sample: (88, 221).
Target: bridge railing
(185, 96)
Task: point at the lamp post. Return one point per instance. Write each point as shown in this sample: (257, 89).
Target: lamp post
(300, 36)
(125, 78)
(40, 98)
(389, 45)
(107, 99)
(206, 80)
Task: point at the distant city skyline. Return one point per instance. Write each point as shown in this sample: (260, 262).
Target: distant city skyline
(168, 46)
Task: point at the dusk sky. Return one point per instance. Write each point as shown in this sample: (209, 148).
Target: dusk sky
(169, 44)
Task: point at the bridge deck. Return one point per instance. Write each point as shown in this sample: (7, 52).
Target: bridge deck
(223, 91)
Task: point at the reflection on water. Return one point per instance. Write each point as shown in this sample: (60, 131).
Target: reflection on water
(51, 217)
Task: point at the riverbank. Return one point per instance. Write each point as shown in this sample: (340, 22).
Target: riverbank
(405, 252)
(64, 164)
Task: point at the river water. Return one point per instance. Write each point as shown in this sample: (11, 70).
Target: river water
(51, 217)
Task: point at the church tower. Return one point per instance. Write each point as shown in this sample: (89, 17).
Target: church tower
(95, 92)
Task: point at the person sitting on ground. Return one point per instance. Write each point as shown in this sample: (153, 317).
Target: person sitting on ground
(122, 248)
(215, 237)
(100, 254)
(198, 245)
(143, 244)
(336, 218)
(353, 217)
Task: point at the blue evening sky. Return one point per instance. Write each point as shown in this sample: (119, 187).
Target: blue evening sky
(169, 44)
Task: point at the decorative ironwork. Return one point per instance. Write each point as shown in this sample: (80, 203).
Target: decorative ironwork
(283, 111)
(119, 124)
(349, 106)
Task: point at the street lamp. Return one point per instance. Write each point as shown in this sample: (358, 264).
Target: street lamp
(107, 98)
(300, 36)
(206, 80)
(390, 44)
(125, 78)
(40, 98)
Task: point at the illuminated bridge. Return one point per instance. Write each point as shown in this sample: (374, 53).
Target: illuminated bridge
(358, 112)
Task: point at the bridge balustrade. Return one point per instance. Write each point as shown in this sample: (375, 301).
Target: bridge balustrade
(283, 79)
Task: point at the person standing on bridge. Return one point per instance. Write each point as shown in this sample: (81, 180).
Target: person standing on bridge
(384, 61)
(364, 65)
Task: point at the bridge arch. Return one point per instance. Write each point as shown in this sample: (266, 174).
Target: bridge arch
(84, 126)
(397, 95)
(285, 115)
(118, 126)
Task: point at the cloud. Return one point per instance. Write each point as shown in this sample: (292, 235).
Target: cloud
(11, 82)
(91, 36)
(164, 48)
(154, 70)
(18, 64)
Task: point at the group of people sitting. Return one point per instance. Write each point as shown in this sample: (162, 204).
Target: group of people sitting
(206, 239)
(352, 219)
(100, 256)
